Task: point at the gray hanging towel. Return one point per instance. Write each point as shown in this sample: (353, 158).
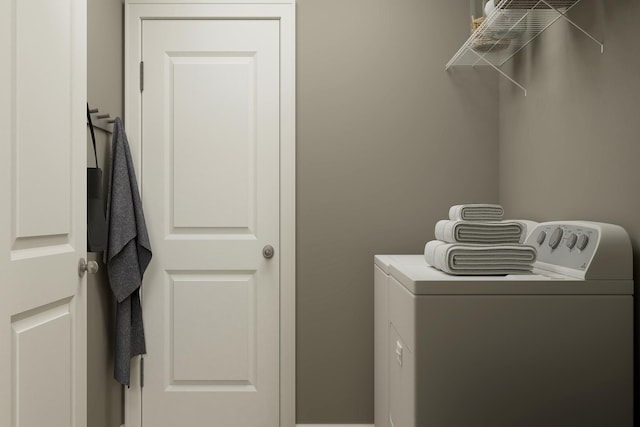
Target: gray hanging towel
(128, 253)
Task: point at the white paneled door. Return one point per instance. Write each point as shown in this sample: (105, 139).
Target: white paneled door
(42, 213)
(210, 152)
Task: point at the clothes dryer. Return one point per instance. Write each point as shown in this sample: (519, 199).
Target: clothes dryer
(551, 348)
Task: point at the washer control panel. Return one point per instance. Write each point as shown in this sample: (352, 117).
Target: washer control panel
(568, 245)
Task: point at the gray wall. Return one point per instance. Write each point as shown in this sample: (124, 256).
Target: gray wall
(386, 142)
(104, 91)
(571, 148)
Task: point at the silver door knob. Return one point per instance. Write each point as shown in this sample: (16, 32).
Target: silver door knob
(84, 266)
(268, 252)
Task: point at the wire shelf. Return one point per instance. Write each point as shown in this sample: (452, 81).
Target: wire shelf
(511, 26)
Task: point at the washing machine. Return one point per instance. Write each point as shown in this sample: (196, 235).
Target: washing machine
(550, 348)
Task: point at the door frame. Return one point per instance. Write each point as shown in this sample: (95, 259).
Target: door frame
(136, 11)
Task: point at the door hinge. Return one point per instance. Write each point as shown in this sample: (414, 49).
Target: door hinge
(141, 371)
(141, 76)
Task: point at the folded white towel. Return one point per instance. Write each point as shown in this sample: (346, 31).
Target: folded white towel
(528, 225)
(476, 212)
(472, 259)
(494, 232)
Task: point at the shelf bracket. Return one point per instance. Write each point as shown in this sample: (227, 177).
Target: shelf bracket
(582, 30)
(481, 57)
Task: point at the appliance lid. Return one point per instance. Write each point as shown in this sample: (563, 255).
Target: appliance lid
(422, 279)
(384, 261)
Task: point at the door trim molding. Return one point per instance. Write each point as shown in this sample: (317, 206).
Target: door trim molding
(136, 11)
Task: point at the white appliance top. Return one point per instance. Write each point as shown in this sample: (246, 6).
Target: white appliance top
(602, 266)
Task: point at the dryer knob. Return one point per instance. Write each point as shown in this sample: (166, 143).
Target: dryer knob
(583, 241)
(541, 237)
(571, 240)
(556, 238)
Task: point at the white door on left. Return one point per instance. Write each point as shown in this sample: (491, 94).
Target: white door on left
(42, 213)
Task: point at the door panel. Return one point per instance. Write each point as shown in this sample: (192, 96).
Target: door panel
(217, 190)
(228, 318)
(42, 214)
(39, 61)
(210, 189)
(42, 348)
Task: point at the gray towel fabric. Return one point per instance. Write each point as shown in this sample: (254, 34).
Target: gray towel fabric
(128, 253)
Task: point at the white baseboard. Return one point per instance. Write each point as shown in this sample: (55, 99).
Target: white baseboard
(334, 425)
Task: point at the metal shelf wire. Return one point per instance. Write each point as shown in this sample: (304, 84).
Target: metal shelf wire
(511, 26)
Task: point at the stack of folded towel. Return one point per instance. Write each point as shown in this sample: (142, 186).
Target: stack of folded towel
(476, 241)
(480, 232)
(476, 212)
